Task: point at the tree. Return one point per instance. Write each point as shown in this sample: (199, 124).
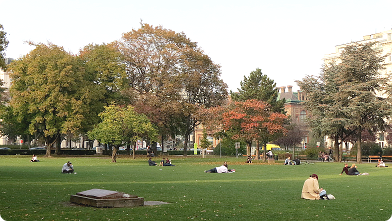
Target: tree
(3, 46)
(166, 66)
(50, 93)
(252, 120)
(205, 143)
(122, 125)
(350, 96)
(260, 87)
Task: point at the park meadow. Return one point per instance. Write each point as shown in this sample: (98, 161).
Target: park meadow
(257, 191)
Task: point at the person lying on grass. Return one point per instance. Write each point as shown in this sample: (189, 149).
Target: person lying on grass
(221, 169)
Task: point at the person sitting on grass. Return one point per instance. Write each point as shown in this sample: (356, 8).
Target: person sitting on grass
(353, 170)
(380, 163)
(345, 169)
(249, 160)
(168, 163)
(221, 169)
(68, 168)
(311, 189)
(288, 161)
(34, 159)
(151, 163)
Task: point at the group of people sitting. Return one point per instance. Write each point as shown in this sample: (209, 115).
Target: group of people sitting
(164, 162)
(288, 161)
(323, 156)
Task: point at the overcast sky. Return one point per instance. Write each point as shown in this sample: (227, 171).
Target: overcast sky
(286, 39)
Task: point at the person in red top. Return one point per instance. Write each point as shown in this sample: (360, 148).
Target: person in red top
(345, 169)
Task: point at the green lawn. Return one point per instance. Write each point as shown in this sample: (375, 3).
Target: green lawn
(38, 191)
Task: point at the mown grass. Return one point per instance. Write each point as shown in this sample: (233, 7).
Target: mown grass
(38, 191)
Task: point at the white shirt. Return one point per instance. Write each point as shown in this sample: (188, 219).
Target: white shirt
(222, 169)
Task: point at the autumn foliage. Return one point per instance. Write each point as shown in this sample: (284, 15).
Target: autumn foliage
(252, 120)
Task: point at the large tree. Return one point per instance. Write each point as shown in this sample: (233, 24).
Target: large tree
(169, 70)
(352, 95)
(3, 46)
(120, 126)
(252, 120)
(259, 87)
(51, 93)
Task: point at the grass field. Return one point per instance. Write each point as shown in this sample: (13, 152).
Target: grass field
(38, 191)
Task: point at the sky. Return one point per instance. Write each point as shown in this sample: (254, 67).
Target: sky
(286, 39)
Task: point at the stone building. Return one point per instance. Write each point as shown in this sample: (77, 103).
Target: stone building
(295, 108)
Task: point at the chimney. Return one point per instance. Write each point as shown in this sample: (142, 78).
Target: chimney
(290, 89)
(282, 90)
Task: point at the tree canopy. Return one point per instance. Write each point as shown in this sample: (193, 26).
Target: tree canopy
(351, 95)
(168, 70)
(252, 120)
(261, 88)
(3, 46)
(120, 126)
(52, 94)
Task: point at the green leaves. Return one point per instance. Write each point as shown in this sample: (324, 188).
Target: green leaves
(121, 125)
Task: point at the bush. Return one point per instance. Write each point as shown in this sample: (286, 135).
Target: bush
(228, 148)
(369, 148)
(387, 152)
(313, 152)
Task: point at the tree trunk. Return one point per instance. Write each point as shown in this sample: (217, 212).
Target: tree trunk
(264, 152)
(114, 154)
(336, 149)
(359, 151)
(185, 144)
(341, 152)
(293, 153)
(248, 146)
(133, 149)
(257, 150)
(48, 150)
(58, 145)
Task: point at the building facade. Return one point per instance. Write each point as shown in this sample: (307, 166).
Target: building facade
(295, 108)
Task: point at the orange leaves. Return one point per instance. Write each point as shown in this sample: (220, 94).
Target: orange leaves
(252, 119)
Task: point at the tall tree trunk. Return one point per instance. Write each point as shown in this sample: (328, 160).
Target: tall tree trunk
(114, 154)
(257, 150)
(133, 149)
(264, 152)
(340, 151)
(58, 145)
(359, 151)
(185, 144)
(248, 146)
(336, 149)
(293, 153)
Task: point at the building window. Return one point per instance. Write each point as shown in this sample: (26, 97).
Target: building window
(381, 136)
(302, 116)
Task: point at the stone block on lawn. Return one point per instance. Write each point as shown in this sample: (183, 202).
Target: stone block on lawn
(106, 198)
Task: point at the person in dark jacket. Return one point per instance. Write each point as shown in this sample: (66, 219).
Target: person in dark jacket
(345, 169)
(353, 170)
(151, 163)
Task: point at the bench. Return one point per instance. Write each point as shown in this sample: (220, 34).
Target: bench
(370, 158)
